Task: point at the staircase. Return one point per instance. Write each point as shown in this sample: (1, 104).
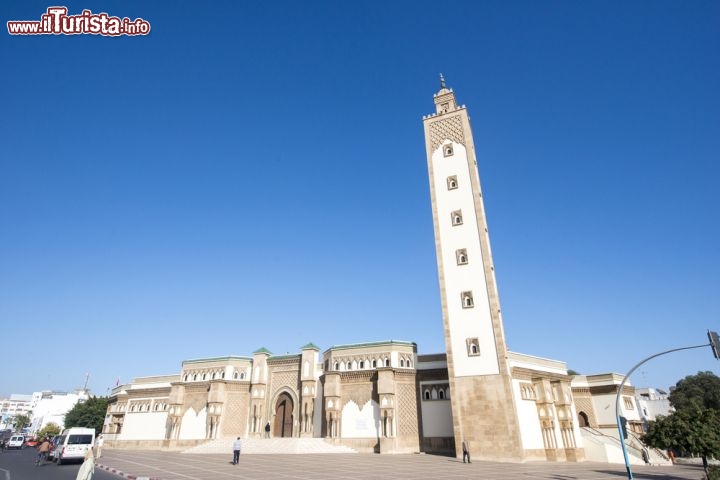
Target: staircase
(262, 446)
(603, 447)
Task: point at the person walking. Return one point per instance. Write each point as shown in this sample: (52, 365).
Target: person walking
(87, 469)
(99, 441)
(466, 451)
(267, 430)
(237, 446)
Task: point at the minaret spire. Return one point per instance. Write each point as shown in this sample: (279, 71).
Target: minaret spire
(445, 98)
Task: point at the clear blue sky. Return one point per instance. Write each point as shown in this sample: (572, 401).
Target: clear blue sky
(253, 174)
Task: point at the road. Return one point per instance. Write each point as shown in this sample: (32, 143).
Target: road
(20, 465)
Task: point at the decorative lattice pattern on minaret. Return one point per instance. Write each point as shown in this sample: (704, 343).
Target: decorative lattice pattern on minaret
(449, 128)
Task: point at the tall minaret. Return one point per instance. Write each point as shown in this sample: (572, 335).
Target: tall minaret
(480, 385)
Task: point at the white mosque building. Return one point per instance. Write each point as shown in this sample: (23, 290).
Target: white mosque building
(385, 396)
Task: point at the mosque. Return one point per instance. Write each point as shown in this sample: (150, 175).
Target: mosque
(386, 397)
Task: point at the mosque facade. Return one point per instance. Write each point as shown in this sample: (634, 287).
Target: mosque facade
(385, 396)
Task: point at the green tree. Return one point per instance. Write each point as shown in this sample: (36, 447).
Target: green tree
(49, 430)
(703, 388)
(21, 421)
(88, 414)
(694, 426)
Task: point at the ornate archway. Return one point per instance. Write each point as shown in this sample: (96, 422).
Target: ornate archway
(283, 424)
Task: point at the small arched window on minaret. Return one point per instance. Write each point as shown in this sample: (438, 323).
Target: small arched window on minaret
(447, 149)
(461, 256)
(452, 183)
(456, 217)
(467, 300)
(473, 347)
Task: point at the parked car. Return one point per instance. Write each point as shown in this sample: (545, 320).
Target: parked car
(77, 441)
(31, 442)
(55, 447)
(16, 441)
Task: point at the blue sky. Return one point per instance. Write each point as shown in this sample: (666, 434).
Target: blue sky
(253, 174)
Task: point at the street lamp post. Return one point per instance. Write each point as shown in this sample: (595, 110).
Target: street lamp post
(627, 375)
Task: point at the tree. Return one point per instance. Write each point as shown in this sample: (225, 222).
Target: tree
(89, 414)
(49, 430)
(703, 388)
(694, 426)
(21, 421)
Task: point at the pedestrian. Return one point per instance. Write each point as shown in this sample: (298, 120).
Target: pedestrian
(99, 444)
(646, 456)
(267, 430)
(43, 450)
(466, 451)
(88, 466)
(237, 446)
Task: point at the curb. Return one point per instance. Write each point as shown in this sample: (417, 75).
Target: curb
(123, 474)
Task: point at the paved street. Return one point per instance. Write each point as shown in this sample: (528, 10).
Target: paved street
(178, 466)
(20, 465)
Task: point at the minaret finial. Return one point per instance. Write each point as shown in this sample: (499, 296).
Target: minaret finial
(442, 82)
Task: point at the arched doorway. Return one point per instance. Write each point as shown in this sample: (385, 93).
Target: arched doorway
(583, 419)
(283, 416)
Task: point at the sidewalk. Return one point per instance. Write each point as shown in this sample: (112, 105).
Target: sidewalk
(145, 465)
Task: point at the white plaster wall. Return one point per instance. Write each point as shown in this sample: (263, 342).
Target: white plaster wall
(463, 322)
(144, 426)
(360, 422)
(655, 407)
(605, 409)
(437, 418)
(193, 425)
(530, 431)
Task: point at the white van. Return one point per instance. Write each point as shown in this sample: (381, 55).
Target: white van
(16, 441)
(75, 443)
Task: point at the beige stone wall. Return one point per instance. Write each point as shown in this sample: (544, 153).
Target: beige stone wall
(489, 422)
(236, 411)
(358, 387)
(408, 433)
(583, 403)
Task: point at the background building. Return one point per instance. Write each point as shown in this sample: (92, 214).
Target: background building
(17, 404)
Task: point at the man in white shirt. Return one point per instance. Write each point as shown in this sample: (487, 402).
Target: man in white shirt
(237, 446)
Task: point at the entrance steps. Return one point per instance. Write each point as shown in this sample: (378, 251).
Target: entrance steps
(260, 446)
